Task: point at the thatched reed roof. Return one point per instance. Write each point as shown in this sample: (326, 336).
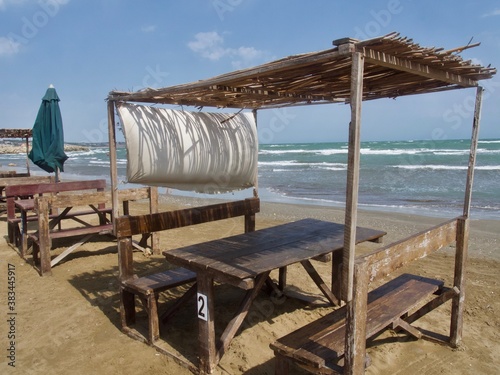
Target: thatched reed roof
(15, 133)
(394, 66)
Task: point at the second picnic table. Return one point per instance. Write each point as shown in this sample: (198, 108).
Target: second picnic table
(27, 205)
(246, 261)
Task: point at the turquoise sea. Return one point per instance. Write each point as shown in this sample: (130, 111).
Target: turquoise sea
(426, 177)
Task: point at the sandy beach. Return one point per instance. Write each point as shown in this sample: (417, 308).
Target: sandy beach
(69, 322)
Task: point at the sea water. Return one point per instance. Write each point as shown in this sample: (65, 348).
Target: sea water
(423, 177)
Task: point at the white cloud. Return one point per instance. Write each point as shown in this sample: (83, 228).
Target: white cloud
(493, 13)
(8, 47)
(476, 61)
(4, 4)
(148, 28)
(210, 45)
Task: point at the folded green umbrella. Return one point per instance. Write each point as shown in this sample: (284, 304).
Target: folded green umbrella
(47, 150)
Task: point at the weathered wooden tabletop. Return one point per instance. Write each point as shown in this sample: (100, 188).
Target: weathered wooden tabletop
(237, 260)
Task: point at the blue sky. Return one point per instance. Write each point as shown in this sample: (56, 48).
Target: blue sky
(88, 48)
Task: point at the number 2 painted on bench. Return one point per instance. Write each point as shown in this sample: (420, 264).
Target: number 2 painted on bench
(202, 306)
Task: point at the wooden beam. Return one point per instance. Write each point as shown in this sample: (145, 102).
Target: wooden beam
(353, 161)
(397, 63)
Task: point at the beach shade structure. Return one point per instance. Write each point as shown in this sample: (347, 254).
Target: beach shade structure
(352, 72)
(47, 150)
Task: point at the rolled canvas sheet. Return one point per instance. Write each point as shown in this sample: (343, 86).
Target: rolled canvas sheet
(196, 151)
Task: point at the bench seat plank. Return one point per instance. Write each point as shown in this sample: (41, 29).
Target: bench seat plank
(325, 337)
(101, 229)
(160, 281)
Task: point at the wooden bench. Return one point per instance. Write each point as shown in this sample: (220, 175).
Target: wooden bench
(147, 288)
(42, 239)
(319, 346)
(14, 192)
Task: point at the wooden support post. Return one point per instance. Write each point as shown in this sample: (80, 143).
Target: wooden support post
(458, 302)
(153, 209)
(355, 341)
(353, 162)
(112, 160)
(473, 150)
(256, 186)
(126, 271)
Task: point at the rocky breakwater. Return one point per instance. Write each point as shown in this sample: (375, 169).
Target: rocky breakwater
(21, 149)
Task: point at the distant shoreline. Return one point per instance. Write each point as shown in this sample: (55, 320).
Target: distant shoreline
(21, 149)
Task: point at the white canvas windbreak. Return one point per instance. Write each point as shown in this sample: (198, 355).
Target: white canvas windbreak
(197, 151)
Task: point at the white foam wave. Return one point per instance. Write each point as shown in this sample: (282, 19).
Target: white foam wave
(293, 163)
(90, 152)
(449, 167)
(332, 151)
(389, 152)
(492, 141)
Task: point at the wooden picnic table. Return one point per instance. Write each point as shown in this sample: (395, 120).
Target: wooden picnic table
(25, 206)
(246, 260)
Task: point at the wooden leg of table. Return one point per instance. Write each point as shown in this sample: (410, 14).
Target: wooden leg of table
(153, 324)
(281, 365)
(206, 329)
(127, 308)
(282, 278)
(337, 273)
(44, 238)
(235, 323)
(319, 282)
